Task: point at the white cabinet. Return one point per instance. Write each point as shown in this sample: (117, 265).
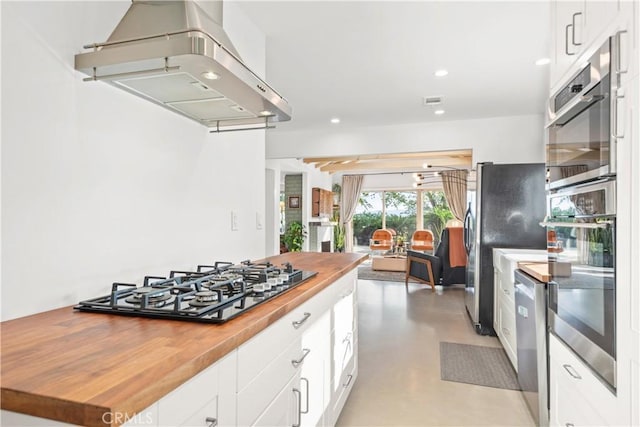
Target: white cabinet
(315, 372)
(577, 396)
(568, 33)
(283, 409)
(344, 348)
(505, 262)
(317, 366)
(579, 28)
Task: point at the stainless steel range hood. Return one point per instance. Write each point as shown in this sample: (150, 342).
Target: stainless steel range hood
(174, 54)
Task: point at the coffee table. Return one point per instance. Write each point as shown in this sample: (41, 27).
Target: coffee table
(389, 263)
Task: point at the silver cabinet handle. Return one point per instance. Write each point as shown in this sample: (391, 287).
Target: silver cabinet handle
(566, 39)
(297, 323)
(569, 425)
(211, 422)
(573, 32)
(572, 371)
(618, 61)
(618, 104)
(306, 399)
(305, 353)
(299, 420)
(349, 378)
(505, 291)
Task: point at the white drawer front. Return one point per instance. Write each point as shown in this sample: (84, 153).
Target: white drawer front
(181, 404)
(205, 416)
(257, 395)
(255, 354)
(342, 388)
(508, 332)
(572, 373)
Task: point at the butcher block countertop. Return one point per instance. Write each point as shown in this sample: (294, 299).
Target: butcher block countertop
(538, 270)
(74, 366)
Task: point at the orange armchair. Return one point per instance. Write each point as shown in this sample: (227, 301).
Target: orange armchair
(422, 240)
(381, 240)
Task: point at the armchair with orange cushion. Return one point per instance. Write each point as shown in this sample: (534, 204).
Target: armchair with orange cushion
(446, 267)
(381, 240)
(422, 240)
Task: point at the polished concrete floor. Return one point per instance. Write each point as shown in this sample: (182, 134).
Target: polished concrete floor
(399, 363)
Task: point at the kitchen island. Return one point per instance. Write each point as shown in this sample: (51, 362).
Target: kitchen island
(75, 367)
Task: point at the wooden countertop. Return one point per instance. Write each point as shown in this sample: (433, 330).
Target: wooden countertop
(538, 270)
(74, 366)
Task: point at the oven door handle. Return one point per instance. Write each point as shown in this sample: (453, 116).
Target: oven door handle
(592, 225)
(572, 109)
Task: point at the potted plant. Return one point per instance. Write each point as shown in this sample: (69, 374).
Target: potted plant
(338, 229)
(294, 236)
(338, 236)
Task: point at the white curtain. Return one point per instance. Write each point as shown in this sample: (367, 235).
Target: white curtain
(454, 184)
(351, 187)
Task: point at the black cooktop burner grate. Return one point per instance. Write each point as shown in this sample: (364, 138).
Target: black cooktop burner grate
(211, 294)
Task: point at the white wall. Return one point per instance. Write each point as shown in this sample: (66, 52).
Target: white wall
(515, 139)
(99, 186)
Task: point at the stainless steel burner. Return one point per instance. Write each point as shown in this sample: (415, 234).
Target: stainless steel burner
(157, 299)
(204, 298)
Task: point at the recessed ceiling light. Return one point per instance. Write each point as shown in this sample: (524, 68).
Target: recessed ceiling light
(335, 120)
(543, 61)
(438, 112)
(266, 113)
(441, 73)
(210, 75)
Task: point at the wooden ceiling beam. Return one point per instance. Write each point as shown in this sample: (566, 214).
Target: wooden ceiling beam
(423, 155)
(389, 165)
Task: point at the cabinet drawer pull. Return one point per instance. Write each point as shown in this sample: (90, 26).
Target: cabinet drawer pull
(572, 371)
(506, 291)
(211, 422)
(569, 425)
(297, 323)
(566, 39)
(573, 31)
(618, 119)
(306, 381)
(618, 61)
(299, 398)
(305, 353)
(349, 378)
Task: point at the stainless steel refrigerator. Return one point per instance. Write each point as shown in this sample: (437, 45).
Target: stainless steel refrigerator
(505, 211)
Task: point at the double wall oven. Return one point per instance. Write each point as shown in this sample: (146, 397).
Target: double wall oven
(581, 211)
(582, 294)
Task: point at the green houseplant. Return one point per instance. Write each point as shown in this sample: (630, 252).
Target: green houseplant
(338, 229)
(294, 236)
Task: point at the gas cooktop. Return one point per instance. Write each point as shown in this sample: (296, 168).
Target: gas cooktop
(211, 294)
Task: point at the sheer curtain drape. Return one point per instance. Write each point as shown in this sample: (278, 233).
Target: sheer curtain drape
(454, 184)
(351, 187)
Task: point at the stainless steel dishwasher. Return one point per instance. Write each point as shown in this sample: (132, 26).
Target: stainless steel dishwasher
(531, 327)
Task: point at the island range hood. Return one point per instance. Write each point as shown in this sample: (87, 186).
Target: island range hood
(174, 54)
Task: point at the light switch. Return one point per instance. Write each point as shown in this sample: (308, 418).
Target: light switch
(234, 221)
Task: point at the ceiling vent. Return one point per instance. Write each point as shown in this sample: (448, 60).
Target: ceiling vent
(431, 100)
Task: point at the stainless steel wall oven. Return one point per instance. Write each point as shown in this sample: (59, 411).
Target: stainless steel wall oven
(581, 234)
(581, 139)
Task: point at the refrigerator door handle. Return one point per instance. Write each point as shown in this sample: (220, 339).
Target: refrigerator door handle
(465, 235)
